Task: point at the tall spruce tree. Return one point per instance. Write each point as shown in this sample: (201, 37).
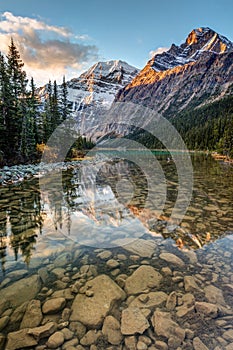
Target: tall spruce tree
(65, 110)
(56, 115)
(29, 135)
(4, 105)
(47, 123)
(34, 113)
(16, 121)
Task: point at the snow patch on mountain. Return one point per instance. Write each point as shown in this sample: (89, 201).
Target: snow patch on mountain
(97, 87)
(199, 41)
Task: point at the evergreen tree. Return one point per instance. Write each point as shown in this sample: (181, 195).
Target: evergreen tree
(47, 123)
(65, 110)
(34, 114)
(16, 121)
(55, 108)
(4, 107)
(29, 136)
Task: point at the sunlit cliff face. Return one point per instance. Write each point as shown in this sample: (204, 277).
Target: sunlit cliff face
(148, 75)
(192, 38)
(199, 43)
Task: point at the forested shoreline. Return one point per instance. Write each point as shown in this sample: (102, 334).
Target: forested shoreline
(26, 123)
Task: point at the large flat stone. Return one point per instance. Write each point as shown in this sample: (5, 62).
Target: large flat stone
(198, 344)
(20, 339)
(54, 305)
(214, 295)
(91, 311)
(33, 315)
(133, 321)
(207, 309)
(143, 279)
(172, 259)
(166, 327)
(149, 300)
(21, 291)
(141, 247)
(111, 329)
(43, 331)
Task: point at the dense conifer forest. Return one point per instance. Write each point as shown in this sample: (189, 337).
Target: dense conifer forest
(26, 124)
(209, 127)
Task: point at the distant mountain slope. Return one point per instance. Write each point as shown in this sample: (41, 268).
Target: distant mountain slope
(199, 70)
(93, 92)
(97, 87)
(191, 85)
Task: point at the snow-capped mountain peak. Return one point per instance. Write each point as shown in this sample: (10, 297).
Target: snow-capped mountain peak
(200, 41)
(110, 71)
(97, 87)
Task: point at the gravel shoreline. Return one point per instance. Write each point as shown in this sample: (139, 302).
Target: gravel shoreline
(18, 173)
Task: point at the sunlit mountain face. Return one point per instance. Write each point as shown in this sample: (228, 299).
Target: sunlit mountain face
(191, 74)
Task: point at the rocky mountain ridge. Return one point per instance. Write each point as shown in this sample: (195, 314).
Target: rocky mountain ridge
(198, 70)
(187, 76)
(96, 88)
(198, 42)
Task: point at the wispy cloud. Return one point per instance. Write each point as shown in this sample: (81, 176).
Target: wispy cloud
(48, 51)
(158, 51)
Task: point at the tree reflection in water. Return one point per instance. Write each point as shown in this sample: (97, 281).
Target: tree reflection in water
(23, 210)
(21, 219)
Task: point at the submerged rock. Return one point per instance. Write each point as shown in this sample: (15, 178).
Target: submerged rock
(133, 321)
(55, 340)
(2, 341)
(43, 331)
(53, 305)
(141, 247)
(20, 339)
(90, 337)
(172, 259)
(105, 255)
(112, 263)
(4, 321)
(18, 313)
(21, 291)
(33, 315)
(149, 300)
(166, 327)
(190, 284)
(171, 301)
(143, 279)
(92, 311)
(111, 329)
(228, 335)
(214, 295)
(207, 309)
(131, 343)
(198, 344)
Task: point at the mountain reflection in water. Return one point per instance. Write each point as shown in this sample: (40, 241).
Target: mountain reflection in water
(112, 203)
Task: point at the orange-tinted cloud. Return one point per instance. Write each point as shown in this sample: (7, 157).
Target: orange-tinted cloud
(48, 51)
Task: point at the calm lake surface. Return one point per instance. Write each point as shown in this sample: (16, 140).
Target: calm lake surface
(39, 215)
(68, 219)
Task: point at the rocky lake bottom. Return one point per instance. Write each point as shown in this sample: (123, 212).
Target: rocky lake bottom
(147, 288)
(146, 295)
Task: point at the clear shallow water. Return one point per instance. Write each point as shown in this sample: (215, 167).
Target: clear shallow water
(96, 205)
(64, 229)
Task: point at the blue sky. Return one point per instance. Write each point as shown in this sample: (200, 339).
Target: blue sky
(94, 30)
